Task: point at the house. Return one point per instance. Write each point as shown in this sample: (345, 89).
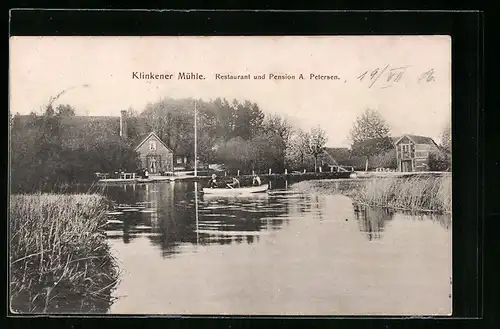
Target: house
(413, 151)
(154, 154)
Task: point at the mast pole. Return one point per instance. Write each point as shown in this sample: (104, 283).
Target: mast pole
(195, 143)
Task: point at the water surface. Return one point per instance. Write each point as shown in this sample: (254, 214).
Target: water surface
(288, 253)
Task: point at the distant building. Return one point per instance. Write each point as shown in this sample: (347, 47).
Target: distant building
(412, 152)
(333, 157)
(409, 153)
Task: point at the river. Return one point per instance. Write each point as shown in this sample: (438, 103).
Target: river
(288, 253)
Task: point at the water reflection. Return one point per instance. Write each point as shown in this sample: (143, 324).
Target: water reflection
(284, 253)
(171, 215)
(371, 220)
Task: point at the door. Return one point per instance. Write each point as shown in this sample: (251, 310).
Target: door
(153, 164)
(406, 166)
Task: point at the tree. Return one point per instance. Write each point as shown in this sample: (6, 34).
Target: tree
(65, 110)
(278, 131)
(297, 154)
(317, 141)
(370, 134)
(446, 138)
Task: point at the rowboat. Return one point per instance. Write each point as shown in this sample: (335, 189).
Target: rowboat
(235, 191)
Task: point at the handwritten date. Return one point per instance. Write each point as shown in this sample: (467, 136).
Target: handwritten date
(388, 76)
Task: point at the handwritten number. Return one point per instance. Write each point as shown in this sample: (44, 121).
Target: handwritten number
(374, 73)
(361, 77)
(427, 76)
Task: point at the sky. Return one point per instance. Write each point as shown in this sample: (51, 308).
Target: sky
(418, 103)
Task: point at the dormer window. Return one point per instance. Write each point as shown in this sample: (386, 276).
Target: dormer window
(152, 145)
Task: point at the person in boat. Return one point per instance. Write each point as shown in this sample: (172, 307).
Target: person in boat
(235, 183)
(256, 181)
(213, 181)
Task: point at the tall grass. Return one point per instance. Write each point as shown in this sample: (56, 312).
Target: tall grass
(59, 258)
(414, 193)
(426, 192)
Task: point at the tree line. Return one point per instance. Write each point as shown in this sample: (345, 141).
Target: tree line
(41, 158)
(239, 135)
(46, 153)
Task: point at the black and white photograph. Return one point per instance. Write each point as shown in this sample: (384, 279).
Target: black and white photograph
(230, 175)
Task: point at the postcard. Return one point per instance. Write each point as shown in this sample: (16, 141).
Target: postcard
(227, 175)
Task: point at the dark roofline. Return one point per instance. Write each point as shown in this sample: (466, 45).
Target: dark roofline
(418, 136)
(158, 137)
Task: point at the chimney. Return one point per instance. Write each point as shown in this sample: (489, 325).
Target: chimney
(123, 125)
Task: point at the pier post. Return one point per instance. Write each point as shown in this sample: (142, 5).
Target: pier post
(253, 172)
(286, 171)
(269, 171)
(304, 170)
(238, 173)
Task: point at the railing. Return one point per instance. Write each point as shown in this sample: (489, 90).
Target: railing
(406, 156)
(126, 175)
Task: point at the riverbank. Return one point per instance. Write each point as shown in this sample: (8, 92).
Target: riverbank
(424, 192)
(245, 179)
(59, 257)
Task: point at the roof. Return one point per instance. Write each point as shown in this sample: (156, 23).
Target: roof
(335, 154)
(417, 139)
(147, 136)
(81, 130)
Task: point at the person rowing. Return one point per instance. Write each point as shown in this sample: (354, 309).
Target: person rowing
(256, 180)
(213, 181)
(235, 183)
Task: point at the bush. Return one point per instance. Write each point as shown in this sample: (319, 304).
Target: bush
(439, 161)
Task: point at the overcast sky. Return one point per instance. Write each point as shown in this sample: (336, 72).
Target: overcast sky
(42, 67)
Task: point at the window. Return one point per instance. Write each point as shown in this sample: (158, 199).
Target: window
(179, 160)
(422, 154)
(152, 145)
(405, 147)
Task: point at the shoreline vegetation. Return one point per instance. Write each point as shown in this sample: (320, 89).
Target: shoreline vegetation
(415, 193)
(60, 261)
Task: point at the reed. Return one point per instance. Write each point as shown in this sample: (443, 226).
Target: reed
(59, 258)
(413, 193)
(423, 192)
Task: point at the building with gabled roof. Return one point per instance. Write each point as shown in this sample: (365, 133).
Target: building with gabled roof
(154, 154)
(413, 152)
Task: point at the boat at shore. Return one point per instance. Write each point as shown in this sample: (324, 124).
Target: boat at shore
(227, 191)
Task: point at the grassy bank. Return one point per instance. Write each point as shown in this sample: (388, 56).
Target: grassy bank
(426, 192)
(60, 261)
(415, 193)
